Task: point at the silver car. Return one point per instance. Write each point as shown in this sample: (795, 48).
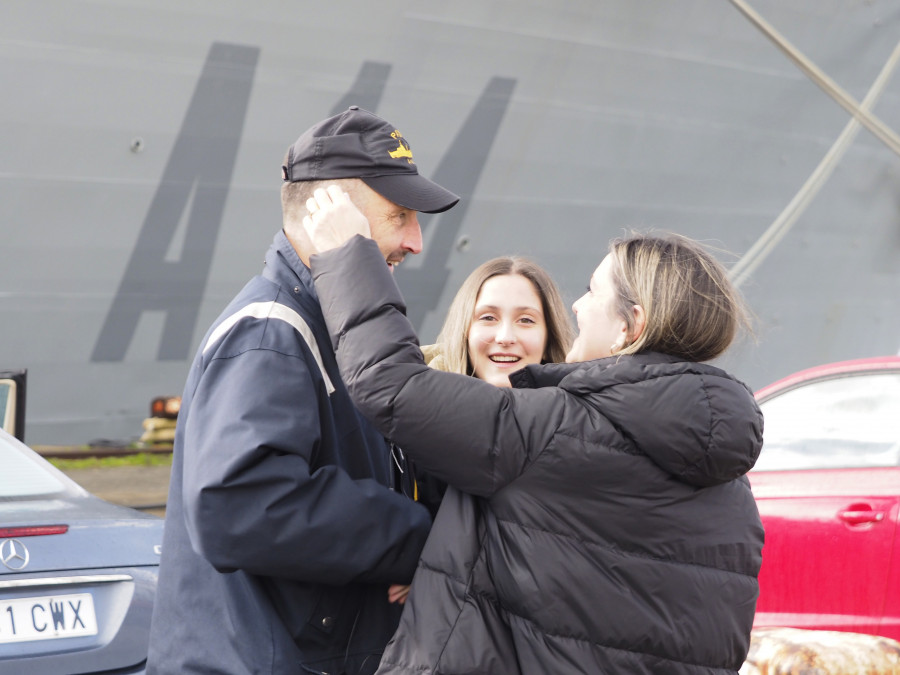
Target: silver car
(77, 574)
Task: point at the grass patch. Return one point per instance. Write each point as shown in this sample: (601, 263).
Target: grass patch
(140, 459)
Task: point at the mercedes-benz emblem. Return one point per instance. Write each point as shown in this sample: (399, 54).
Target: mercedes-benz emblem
(13, 554)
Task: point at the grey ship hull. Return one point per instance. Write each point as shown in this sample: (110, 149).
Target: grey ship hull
(140, 146)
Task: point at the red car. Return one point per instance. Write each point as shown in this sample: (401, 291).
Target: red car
(827, 484)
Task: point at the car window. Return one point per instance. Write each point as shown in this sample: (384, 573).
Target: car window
(22, 476)
(845, 422)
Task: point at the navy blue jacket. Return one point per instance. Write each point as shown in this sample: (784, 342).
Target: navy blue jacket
(281, 533)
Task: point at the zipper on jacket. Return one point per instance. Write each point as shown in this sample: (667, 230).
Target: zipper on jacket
(404, 481)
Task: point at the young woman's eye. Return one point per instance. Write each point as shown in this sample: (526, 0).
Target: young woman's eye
(528, 320)
(487, 317)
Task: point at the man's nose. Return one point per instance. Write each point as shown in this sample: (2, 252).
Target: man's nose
(412, 239)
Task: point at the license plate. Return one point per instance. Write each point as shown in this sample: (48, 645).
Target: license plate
(48, 617)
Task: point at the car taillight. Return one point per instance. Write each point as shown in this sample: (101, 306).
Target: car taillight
(32, 531)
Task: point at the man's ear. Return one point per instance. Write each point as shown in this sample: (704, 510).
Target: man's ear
(640, 321)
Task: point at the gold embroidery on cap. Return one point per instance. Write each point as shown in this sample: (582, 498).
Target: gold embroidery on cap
(402, 149)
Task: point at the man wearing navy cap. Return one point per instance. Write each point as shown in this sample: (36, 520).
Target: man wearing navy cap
(288, 515)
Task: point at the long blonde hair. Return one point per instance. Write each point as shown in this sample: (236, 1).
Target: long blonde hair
(692, 310)
(453, 340)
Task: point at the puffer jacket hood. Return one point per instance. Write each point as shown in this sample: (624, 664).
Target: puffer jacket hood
(694, 435)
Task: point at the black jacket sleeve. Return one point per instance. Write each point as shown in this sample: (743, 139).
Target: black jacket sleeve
(468, 433)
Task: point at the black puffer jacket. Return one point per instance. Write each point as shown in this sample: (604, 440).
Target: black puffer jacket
(610, 528)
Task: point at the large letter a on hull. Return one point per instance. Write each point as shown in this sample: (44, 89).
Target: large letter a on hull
(195, 184)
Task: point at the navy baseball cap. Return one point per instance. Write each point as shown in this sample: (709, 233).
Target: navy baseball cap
(359, 144)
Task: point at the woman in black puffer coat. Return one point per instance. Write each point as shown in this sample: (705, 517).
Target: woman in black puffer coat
(611, 528)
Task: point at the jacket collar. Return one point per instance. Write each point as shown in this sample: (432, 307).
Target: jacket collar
(284, 267)
(552, 374)
(544, 374)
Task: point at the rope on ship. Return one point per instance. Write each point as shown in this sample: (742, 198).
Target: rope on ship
(757, 253)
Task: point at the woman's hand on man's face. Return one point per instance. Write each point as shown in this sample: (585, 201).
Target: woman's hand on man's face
(333, 219)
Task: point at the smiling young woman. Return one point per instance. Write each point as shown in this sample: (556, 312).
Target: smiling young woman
(508, 330)
(506, 315)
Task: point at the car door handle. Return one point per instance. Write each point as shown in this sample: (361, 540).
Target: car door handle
(861, 517)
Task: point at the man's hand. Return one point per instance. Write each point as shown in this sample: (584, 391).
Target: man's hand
(333, 219)
(398, 592)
